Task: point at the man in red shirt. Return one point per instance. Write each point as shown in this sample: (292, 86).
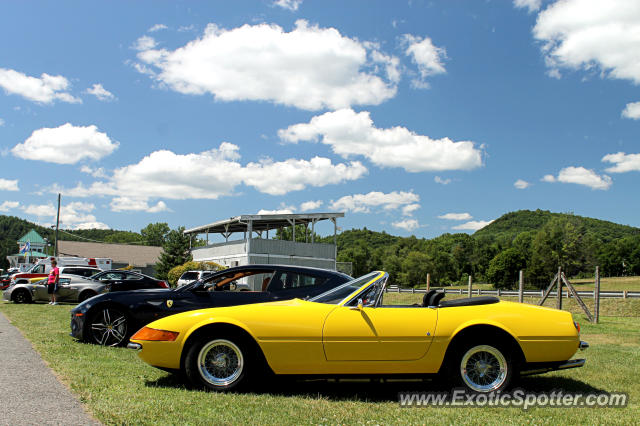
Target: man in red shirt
(52, 282)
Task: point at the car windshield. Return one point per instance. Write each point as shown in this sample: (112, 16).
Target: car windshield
(191, 276)
(95, 276)
(338, 294)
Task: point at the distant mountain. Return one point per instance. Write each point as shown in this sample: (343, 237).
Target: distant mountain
(508, 226)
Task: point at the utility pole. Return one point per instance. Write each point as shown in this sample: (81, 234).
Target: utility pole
(57, 225)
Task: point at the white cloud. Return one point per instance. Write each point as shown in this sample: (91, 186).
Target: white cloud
(455, 216)
(350, 133)
(309, 68)
(91, 225)
(145, 43)
(45, 90)
(8, 185)
(472, 225)
(531, 5)
(592, 33)
(5, 206)
(277, 211)
(278, 178)
(521, 184)
(362, 203)
(632, 111)
(74, 215)
(407, 224)
(623, 162)
(66, 144)
(441, 181)
(1, 122)
(96, 173)
(409, 209)
(100, 92)
(167, 175)
(120, 204)
(291, 5)
(157, 27)
(310, 205)
(426, 56)
(581, 176)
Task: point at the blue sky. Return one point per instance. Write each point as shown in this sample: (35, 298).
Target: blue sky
(413, 117)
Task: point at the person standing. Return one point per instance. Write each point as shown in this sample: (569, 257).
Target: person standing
(52, 282)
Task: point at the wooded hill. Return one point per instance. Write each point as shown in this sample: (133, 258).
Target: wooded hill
(535, 241)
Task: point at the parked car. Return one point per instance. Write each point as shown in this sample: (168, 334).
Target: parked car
(478, 343)
(81, 271)
(71, 288)
(190, 276)
(119, 280)
(5, 279)
(111, 318)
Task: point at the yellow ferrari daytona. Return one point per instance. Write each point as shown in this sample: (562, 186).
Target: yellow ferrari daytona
(479, 343)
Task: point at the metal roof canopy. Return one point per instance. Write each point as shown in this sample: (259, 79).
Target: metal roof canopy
(263, 222)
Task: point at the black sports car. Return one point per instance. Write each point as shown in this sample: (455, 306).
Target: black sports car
(118, 280)
(111, 318)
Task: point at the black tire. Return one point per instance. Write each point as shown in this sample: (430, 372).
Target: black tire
(220, 362)
(86, 295)
(482, 367)
(21, 296)
(108, 326)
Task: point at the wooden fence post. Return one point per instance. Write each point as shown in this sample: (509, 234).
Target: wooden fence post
(428, 282)
(596, 296)
(469, 286)
(521, 287)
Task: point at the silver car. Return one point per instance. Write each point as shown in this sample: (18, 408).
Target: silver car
(71, 288)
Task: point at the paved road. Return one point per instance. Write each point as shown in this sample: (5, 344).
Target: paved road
(29, 391)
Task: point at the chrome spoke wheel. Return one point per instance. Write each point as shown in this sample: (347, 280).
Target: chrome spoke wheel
(483, 368)
(108, 327)
(220, 362)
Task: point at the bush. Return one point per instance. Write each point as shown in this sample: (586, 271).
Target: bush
(175, 273)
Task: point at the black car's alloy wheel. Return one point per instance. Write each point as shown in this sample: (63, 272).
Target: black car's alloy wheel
(108, 327)
(220, 363)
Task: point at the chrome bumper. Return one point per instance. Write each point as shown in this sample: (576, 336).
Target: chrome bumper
(583, 345)
(572, 363)
(134, 346)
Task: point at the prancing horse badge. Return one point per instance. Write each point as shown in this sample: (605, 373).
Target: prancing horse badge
(169, 303)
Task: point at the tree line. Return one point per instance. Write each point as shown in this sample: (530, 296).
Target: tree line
(534, 241)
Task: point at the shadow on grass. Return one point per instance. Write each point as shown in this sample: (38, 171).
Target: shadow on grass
(371, 390)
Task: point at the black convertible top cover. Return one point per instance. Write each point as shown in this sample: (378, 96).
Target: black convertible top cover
(469, 301)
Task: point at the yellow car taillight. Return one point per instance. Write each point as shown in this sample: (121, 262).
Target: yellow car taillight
(146, 333)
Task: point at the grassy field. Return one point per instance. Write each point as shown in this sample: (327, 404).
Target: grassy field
(118, 388)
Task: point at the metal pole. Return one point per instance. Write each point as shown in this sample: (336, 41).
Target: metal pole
(469, 285)
(521, 287)
(596, 295)
(57, 226)
(559, 286)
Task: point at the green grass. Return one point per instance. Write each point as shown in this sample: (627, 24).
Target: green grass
(118, 388)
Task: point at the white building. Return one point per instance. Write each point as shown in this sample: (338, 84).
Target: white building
(255, 247)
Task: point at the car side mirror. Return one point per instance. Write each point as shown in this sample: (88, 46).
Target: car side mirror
(358, 307)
